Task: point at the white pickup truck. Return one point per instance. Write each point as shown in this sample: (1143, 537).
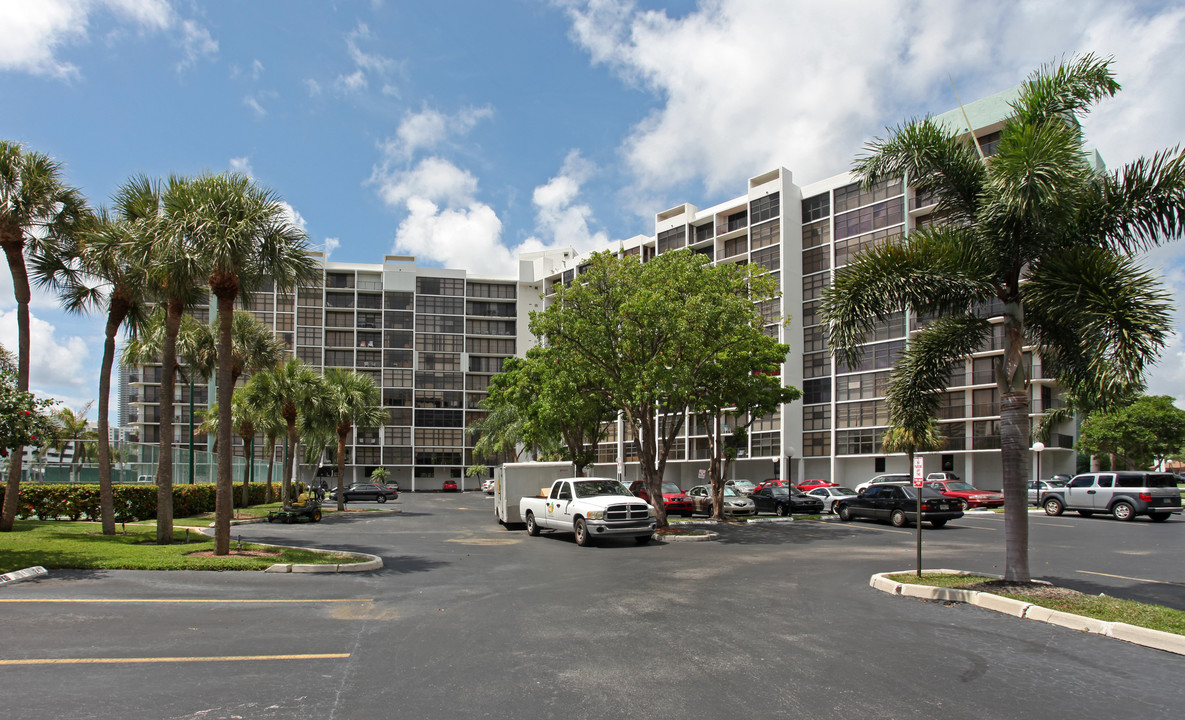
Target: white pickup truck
(590, 508)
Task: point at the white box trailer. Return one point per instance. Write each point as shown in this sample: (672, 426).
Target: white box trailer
(514, 481)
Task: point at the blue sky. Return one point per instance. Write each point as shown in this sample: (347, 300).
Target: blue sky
(463, 132)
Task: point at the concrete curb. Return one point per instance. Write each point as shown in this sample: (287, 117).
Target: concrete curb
(709, 535)
(372, 562)
(1158, 639)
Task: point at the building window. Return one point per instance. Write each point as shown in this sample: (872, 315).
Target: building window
(815, 391)
(448, 324)
(480, 364)
(440, 380)
(398, 300)
(439, 305)
(309, 355)
(440, 286)
(770, 258)
(440, 343)
(816, 234)
(816, 208)
(816, 417)
(813, 285)
(816, 259)
(858, 442)
(490, 327)
(339, 358)
(765, 208)
(765, 445)
(765, 235)
(490, 309)
(393, 377)
(861, 387)
(861, 414)
(491, 290)
(308, 316)
(339, 319)
(735, 246)
(672, 239)
(490, 346)
(853, 196)
(867, 219)
(398, 338)
(816, 444)
(846, 250)
(815, 365)
(814, 339)
(439, 361)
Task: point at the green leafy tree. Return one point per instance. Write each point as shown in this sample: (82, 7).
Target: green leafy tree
(744, 380)
(1141, 435)
(349, 400)
(640, 334)
(291, 392)
(1040, 230)
(242, 237)
(41, 219)
(554, 408)
(25, 420)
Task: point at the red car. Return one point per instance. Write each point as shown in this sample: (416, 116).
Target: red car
(449, 486)
(967, 494)
(674, 499)
(816, 483)
(770, 483)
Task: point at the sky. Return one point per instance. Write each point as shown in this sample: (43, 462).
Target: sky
(464, 132)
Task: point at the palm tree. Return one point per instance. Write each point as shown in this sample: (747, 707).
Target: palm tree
(241, 235)
(41, 218)
(73, 427)
(1040, 230)
(268, 419)
(350, 400)
(289, 391)
(107, 277)
(244, 416)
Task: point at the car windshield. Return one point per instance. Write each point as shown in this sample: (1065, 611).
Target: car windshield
(892, 478)
(743, 483)
(960, 486)
(1054, 483)
(670, 489)
(926, 492)
(593, 488)
(729, 492)
(842, 491)
(778, 491)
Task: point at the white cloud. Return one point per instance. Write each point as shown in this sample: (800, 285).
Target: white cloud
(253, 104)
(744, 85)
(461, 237)
(366, 65)
(429, 128)
(256, 69)
(434, 179)
(559, 216)
(54, 362)
(291, 215)
(242, 165)
(33, 33)
(313, 87)
(330, 245)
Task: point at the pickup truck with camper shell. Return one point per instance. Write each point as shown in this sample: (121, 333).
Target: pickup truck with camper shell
(589, 508)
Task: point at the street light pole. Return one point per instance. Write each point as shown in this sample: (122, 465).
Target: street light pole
(1037, 448)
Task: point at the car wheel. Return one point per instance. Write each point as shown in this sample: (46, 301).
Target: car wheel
(1123, 511)
(937, 524)
(581, 529)
(1086, 513)
(844, 513)
(532, 528)
(781, 510)
(1158, 517)
(382, 498)
(898, 518)
(1053, 506)
(642, 539)
(317, 515)
(964, 505)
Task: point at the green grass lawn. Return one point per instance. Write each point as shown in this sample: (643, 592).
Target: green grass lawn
(81, 545)
(1100, 607)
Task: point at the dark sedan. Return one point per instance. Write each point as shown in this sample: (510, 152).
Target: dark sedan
(369, 491)
(898, 505)
(776, 500)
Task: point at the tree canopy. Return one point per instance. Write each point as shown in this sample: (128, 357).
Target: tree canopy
(1142, 435)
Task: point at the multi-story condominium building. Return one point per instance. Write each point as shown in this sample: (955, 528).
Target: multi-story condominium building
(432, 338)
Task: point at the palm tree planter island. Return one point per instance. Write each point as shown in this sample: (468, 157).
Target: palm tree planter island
(1039, 230)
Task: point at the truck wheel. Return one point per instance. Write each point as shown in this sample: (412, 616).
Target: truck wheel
(642, 539)
(581, 529)
(898, 518)
(1123, 511)
(532, 528)
(1053, 506)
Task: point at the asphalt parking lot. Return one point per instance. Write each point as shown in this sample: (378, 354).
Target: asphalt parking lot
(470, 620)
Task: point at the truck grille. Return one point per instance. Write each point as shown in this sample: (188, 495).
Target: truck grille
(627, 512)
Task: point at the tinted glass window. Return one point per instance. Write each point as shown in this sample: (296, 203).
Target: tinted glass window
(872, 491)
(1106, 480)
(1082, 481)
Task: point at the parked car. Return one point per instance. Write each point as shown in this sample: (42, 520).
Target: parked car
(1123, 494)
(366, 491)
(734, 502)
(831, 494)
(943, 475)
(449, 486)
(673, 499)
(487, 485)
(1046, 485)
(744, 487)
(770, 483)
(967, 494)
(898, 504)
(812, 484)
(781, 501)
(891, 479)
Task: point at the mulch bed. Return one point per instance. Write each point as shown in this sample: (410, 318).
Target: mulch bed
(237, 553)
(1039, 590)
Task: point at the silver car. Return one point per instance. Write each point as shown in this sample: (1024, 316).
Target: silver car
(829, 495)
(1046, 486)
(734, 502)
(1123, 494)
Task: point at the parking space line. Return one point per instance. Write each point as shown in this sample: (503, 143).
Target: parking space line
(861, 526)
(1125, 577)
(213, 658)
(182, 601)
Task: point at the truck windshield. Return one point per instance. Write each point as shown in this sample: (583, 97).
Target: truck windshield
(593, 488)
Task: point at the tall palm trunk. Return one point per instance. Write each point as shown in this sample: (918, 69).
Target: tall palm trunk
(13, 242)
(1014, 444)
(342, 432)
(286, 481)
(164, 464)
(225, 390)
(271, 461)
(118, 310)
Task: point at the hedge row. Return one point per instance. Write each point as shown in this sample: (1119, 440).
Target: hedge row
(132, 502)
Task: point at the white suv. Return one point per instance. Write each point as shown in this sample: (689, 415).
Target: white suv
(889, 479)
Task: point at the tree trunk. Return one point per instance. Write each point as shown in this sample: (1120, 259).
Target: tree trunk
(14, 249)
(225, 391)
(1014, 445)
(341, 469)
(289, 461)
(164, 464)
(117, 311)
(271, 461)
